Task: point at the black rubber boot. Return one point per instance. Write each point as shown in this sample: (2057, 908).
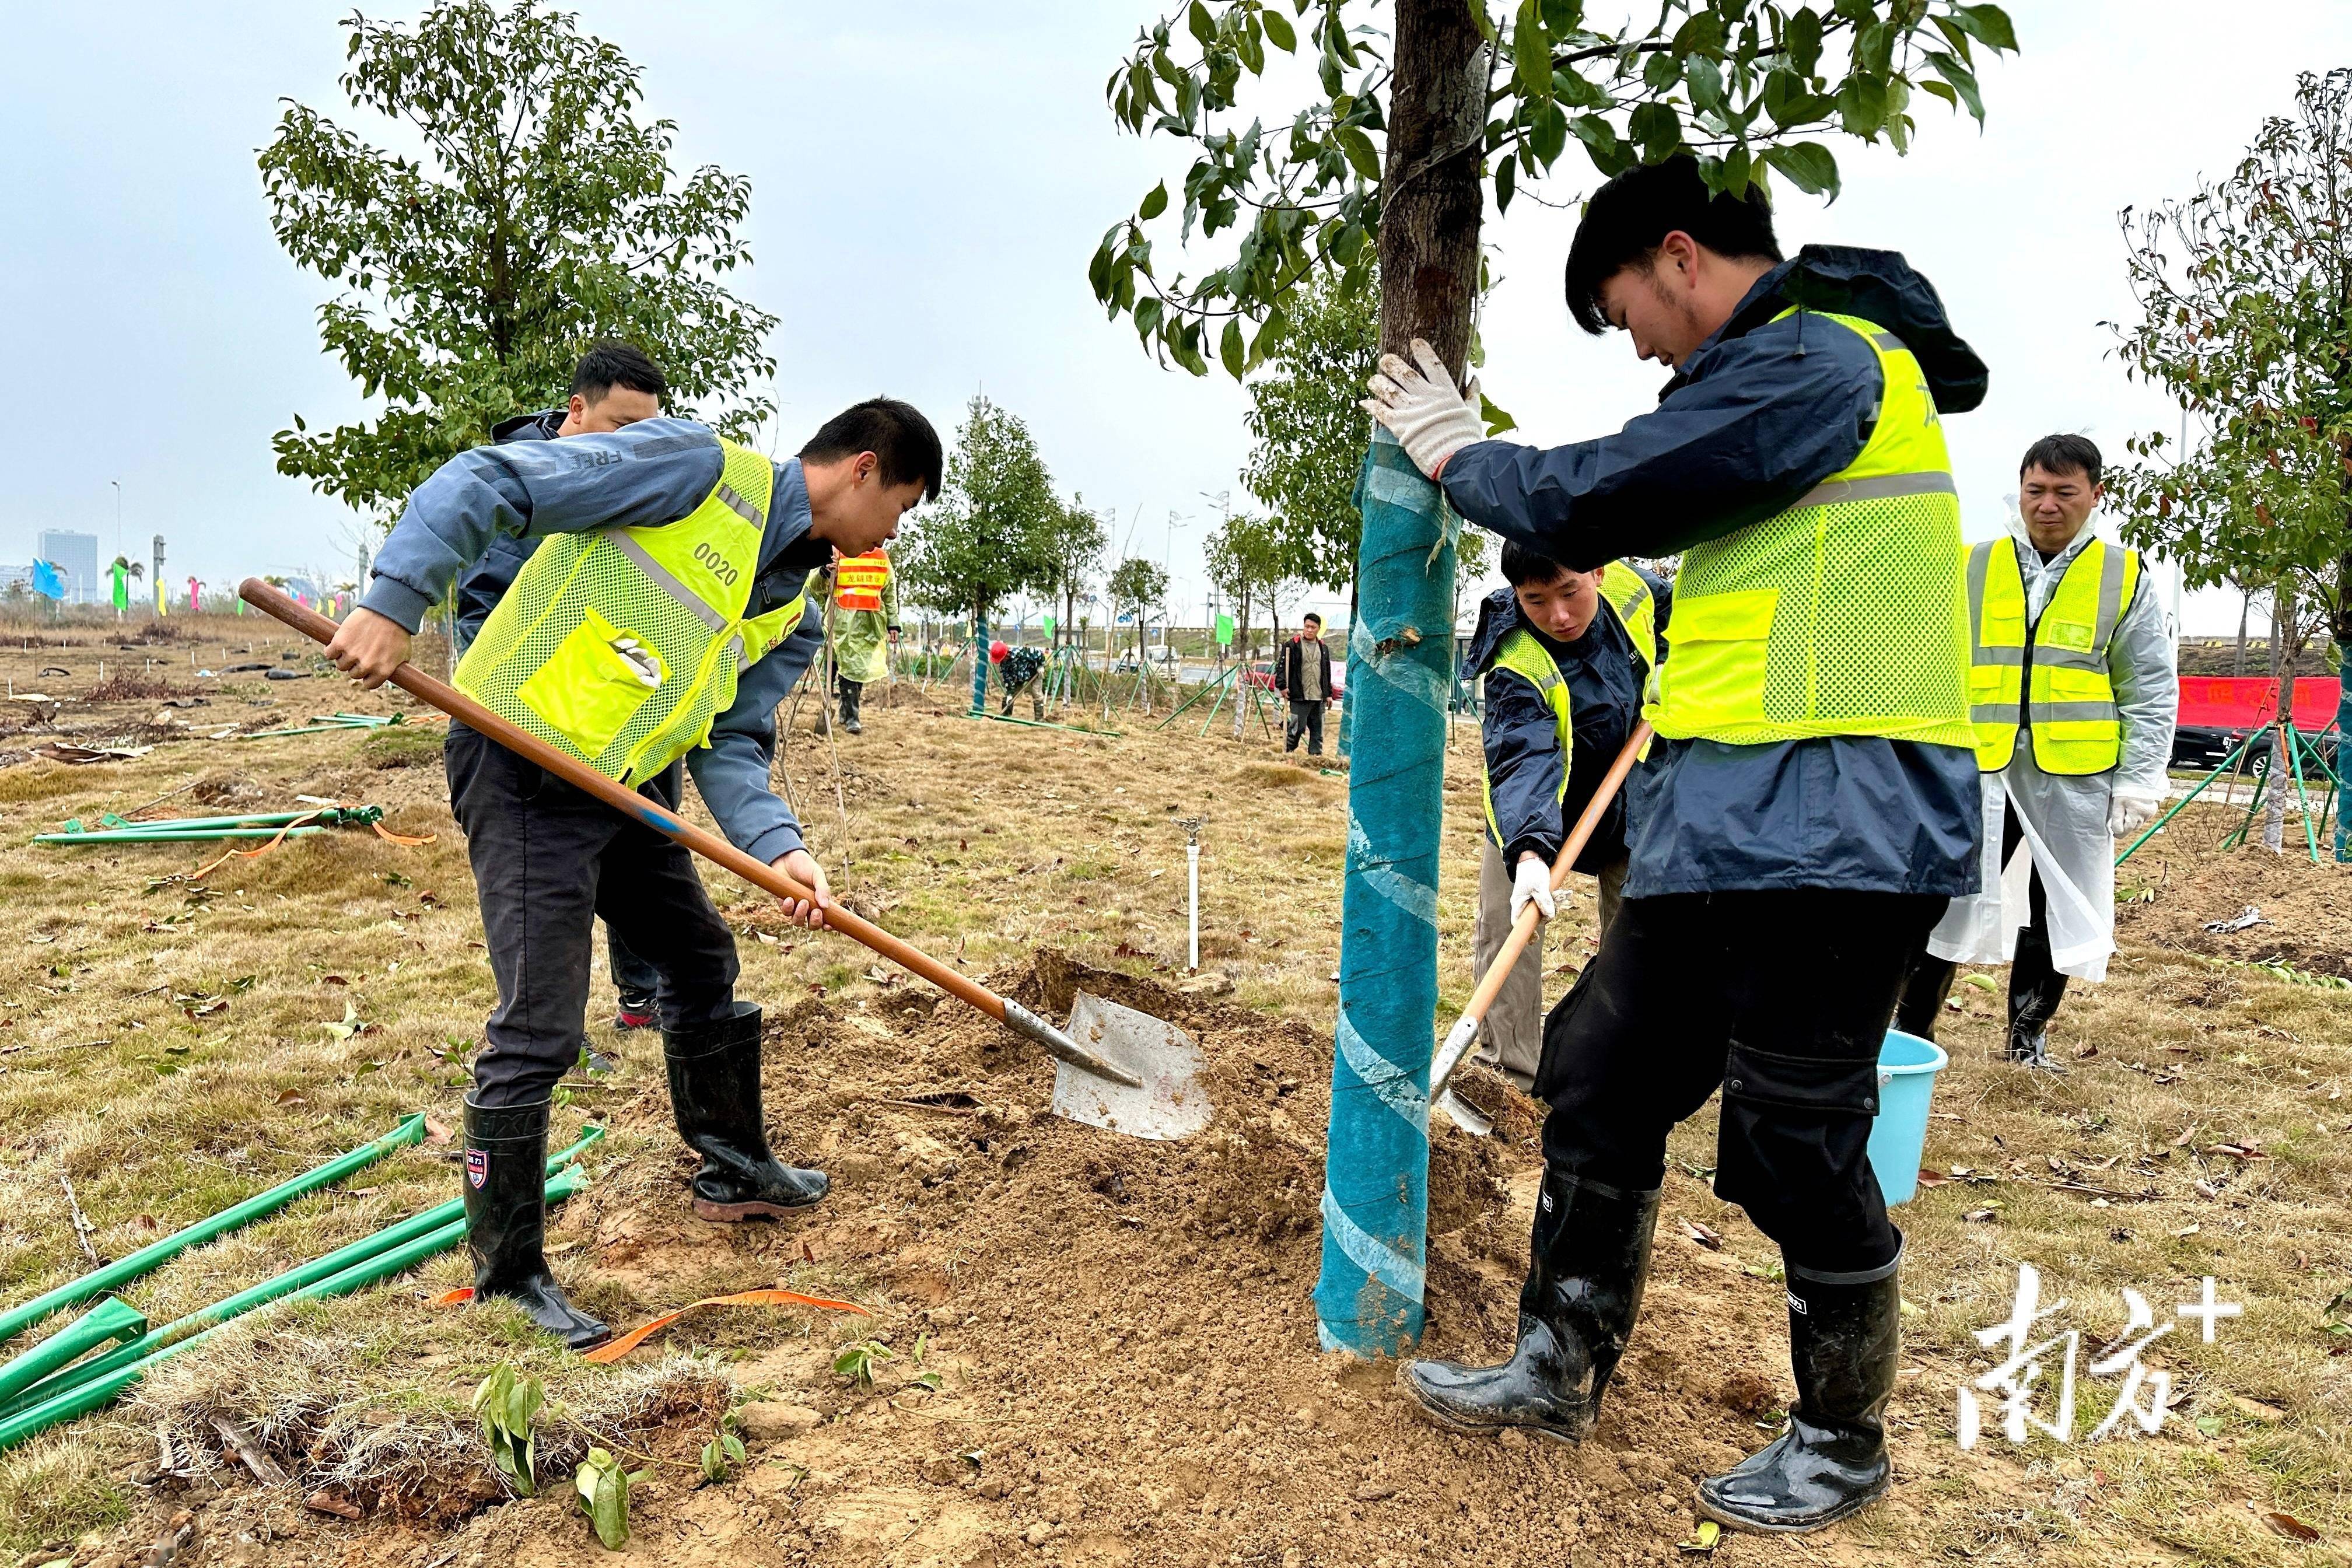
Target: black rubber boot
(851, 692)
(1590, 1256)
(1925, 991)
(506, 1219)
(2032, 1005)
(1844, 1337)
(714, 1090)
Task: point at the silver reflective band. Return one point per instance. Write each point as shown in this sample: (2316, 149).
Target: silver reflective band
(735, 503)
(659, 575)
(2073, 712)
(2013, 657)
(1879, 486)
(1890, 342)
(2050, 657)
(1992, 713)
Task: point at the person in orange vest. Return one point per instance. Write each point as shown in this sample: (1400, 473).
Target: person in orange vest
(865, 627)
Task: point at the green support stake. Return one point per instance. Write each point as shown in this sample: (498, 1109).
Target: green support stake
(1367, 1300)
(112, 1319)
(1044, 724)
(2202, 786)
(16, 1319)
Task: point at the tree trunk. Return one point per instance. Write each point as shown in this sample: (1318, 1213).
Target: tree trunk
(1367, 1300)
(979, 654)
(2283, 749)
(2245, 608)
(2341, 629)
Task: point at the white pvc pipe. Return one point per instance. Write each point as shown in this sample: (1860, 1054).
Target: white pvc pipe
(1192, 873)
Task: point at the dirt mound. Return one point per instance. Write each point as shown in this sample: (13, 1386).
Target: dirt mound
(1121, 1332)
(2306, 909)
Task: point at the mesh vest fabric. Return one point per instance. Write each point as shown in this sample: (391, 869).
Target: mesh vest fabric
(858, 581)
(2052, 676)
(1629, 597)
(1844, 615)
(621, 647)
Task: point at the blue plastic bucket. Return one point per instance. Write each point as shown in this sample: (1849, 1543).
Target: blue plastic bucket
(1907, 1067)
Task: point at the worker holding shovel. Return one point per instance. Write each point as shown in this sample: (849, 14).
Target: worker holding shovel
(1561, 657)
(1810, 811)
(653, 624)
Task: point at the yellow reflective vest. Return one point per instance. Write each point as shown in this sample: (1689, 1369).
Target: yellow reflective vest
(621, 647)
(2050, 676)
(1843, 615)
(1628, 597)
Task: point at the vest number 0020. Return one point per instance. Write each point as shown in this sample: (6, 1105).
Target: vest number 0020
(721, 567)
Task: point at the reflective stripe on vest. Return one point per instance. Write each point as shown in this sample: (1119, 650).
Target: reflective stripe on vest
(621, 647)
(2051, 676)
(1844, 615)
(858, 580)
(1627, 595)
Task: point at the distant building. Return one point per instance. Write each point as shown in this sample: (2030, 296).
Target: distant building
(75, 555)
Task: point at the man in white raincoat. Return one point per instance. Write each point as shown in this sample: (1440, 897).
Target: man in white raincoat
(2074, 696)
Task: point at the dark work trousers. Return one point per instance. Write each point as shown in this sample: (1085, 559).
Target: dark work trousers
(2035, 986)
(548, 860)
(1306, 719)
(1782, 999)
(633, 977)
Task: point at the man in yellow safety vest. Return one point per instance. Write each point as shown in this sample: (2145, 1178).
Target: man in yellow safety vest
(1811, 807)
(2073, 692)
(1561, 657)
(653, 624)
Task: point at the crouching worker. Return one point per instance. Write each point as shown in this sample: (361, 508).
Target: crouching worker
(654, 624)
(1561, 657)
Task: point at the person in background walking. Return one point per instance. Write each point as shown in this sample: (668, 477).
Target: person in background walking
(865, 627)
(1303, 672)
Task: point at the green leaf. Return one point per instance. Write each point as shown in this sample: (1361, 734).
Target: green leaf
(1802, 38)
(603, 1489)
(1562, 17)
(1659, 72)
(1202, 25)
(1963, 79)
(1506, 176)
(1362, 155)
(1658, 129)
(1486, 23)
(1704, 77)
(1861, 104)
(1154, 203)
(1991, 25)
(1231, 348)
(1549, 132)
(1530, 53)
(1278, 30)
(1808, 165)
(1498, 419)
(1147, 313)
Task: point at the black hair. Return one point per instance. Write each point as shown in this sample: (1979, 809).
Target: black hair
(1629, 218)
(894, 432)
(1521, 565)
(1311, 615)
(2062, 455)
(610, 363)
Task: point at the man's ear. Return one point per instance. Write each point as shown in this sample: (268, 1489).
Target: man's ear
(576, 410)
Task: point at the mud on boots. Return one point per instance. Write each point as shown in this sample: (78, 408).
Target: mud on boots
(1844, 1338)
(1590, 1256)
(1812, 803)
(714, 1091)
(634, 648)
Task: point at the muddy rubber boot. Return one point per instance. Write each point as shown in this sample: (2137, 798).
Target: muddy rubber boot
(1590, 1256)
(2032, 1005)
(1843, 1340)
(852, 692)
(506, 1219)
(714, 1090)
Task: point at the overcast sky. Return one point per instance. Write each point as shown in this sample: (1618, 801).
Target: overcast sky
(929, 180)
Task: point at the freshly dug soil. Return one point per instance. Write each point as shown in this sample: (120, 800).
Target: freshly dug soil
(2306, 909)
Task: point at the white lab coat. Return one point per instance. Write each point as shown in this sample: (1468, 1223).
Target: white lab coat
(2063, 818)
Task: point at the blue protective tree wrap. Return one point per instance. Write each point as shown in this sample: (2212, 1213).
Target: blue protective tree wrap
(1376, 1174)
(2343, 750)
(978, 664)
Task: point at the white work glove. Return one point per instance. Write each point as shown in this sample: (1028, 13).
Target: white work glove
(2129, 810)
(1428, 418)
(1532, 884)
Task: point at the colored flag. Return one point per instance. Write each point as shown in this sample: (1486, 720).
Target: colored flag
(47, 581)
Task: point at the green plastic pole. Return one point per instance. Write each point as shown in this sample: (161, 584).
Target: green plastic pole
(122, 1270)
(1041, 724)
(1368, 1299)
(184, 835)
(559, 1167)
(2202, 785)
(112, 1319)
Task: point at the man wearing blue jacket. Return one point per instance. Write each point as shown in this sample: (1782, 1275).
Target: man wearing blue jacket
(655, 622)
(1810, 811)
(1560, 657)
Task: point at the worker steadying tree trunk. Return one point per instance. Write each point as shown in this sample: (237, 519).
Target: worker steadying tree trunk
(865, 627)
(1812, 810)
(653, 624)
(2074, 696)
(1561, 657)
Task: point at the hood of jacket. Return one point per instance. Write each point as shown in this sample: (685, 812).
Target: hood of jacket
(528, 426)
(1878, 286)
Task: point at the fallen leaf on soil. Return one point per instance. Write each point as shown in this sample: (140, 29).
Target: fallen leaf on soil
(1701, 1236)
(2257, 1409)
(436, 1132)
(1933, 1179)
(2288, 1525)
(330, 1503)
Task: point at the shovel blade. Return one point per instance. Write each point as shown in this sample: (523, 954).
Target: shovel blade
(1172, 1103)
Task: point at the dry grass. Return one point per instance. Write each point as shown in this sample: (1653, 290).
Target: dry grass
(982, 842)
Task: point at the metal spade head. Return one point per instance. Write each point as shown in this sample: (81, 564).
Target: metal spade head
(1170, 1104)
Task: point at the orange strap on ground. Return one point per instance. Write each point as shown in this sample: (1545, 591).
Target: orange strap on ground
(605, 1356)
(212, 866)
(402, 839)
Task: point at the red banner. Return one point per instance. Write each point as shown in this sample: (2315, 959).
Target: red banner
(2249, 701)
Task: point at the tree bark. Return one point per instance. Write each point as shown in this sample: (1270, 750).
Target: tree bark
(2283, 748)
(1432, 195)
(2245, 609)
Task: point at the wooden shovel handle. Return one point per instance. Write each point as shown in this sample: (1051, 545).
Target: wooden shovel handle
(628, 802)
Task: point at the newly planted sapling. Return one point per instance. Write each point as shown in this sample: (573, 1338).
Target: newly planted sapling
(602, 1486)
(509, 1405)
(858, 1359)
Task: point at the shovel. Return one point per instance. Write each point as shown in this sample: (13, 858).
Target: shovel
(1142, 1077)
(1459, 1040)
